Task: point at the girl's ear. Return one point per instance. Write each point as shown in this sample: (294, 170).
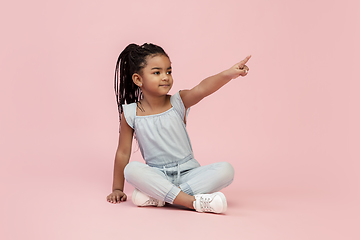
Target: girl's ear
(137, 79)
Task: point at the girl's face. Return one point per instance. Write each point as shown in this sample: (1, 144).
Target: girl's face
(156, 76)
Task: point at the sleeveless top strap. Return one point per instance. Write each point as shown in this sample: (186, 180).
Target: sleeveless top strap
(176, 102)
(130, 113)
(179, 106)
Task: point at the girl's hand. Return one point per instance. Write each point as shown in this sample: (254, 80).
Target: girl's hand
(239, 69)
(116, 196)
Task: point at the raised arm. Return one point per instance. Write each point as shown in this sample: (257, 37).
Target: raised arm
(213, 83)
(121, 160)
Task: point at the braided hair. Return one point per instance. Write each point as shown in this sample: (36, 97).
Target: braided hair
(132, 60)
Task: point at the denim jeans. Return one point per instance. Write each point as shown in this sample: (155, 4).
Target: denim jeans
(165, 182)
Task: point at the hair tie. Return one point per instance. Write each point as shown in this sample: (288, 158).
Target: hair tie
(145, 44)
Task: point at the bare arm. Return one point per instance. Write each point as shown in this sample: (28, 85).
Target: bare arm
(121, 160)
(213, 83)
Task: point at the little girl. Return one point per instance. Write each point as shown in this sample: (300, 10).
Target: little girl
(171, 174)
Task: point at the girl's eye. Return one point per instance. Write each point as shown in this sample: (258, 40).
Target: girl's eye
(156, 73)
(169, 72)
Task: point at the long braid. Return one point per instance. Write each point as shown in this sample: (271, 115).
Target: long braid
(131, 60)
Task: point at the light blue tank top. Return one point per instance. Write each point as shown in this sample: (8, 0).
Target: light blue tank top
(162, 138)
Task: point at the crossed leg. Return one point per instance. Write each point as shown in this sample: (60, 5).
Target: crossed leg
(154, 182)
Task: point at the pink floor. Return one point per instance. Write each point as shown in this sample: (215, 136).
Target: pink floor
(44, 207)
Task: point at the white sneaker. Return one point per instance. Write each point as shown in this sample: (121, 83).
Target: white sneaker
(140, 199)
(214, 202)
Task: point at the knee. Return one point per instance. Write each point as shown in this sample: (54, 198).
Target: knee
(226, 171)
(131, 170)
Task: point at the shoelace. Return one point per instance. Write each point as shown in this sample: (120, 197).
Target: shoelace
(205, 204)
(152, 201)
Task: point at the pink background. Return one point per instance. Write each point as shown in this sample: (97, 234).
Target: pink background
(290, 128)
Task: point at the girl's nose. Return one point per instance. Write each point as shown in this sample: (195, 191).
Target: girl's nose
(165, 77)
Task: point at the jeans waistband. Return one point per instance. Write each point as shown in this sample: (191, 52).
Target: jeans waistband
(172, 164)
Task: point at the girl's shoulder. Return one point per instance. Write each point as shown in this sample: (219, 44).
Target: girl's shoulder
(179, 107)
(177, 102)
(130, 113)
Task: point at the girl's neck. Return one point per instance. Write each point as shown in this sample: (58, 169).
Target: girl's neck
(153, 105)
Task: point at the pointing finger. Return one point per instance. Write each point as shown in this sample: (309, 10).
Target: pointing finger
(243, 62)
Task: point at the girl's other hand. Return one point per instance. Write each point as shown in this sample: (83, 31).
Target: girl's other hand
(239, 69)
(116, 196)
